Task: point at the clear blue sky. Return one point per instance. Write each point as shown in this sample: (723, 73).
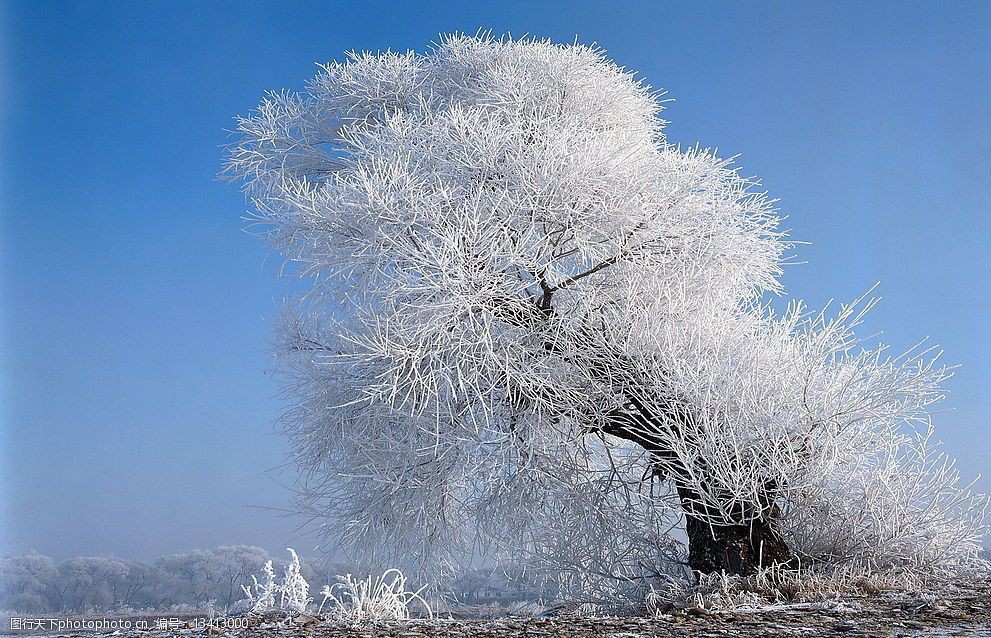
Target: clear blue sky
(136, 407)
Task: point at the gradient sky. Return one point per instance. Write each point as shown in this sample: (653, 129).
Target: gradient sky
(136, 402)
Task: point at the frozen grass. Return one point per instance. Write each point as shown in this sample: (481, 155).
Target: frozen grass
(292, 594)
(382, 598)
(261, 595)
(295, 590)
(776, 587)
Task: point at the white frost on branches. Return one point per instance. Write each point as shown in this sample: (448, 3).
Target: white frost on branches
(295, 591)
(261, 595)
(292, 595)
(505, 254)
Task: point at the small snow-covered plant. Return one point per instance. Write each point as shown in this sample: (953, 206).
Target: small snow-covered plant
(261, 595)
(383, 598)
(295, 590)
(292, 595)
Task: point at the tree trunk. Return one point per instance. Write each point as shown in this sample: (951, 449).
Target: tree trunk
(735, 549)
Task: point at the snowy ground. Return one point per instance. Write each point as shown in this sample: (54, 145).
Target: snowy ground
(963, 613)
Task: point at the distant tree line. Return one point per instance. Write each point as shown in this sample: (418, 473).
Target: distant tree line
(195, 580)
(202, 577)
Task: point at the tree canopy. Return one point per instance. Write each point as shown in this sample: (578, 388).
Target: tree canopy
(537, 329)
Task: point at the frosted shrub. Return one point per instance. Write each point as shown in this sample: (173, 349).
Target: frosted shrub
(382, 598)
(295, 590)
(261, 596)
(537, 330)
(292, 595)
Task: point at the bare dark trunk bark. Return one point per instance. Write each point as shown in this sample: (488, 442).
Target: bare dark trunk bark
(735, 549)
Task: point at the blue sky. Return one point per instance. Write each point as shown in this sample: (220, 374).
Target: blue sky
(136, 404)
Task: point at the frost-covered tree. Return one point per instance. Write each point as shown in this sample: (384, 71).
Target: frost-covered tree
(28, 582)
(537, 329)
(236, 564)
(101, 582)
(205, 575)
